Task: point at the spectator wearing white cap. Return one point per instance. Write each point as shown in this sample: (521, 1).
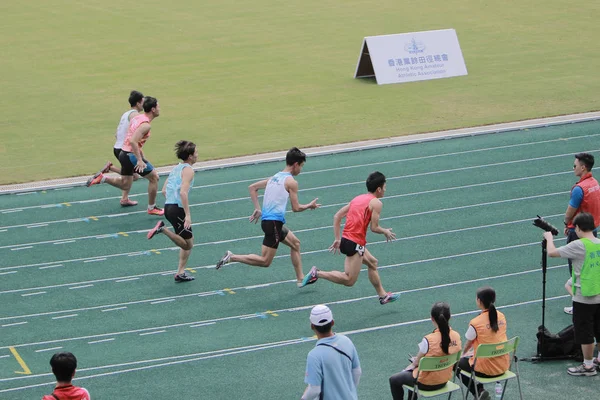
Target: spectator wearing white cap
(332, 367)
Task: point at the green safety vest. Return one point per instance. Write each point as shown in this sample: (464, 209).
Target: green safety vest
(589, 277)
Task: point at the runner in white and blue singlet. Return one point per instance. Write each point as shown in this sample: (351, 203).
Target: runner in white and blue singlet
(278, 189)
(177, 206)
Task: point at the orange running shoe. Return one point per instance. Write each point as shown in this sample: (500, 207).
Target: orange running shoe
(156, 211)
(95, 180)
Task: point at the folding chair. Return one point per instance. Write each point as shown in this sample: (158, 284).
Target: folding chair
(432, 364)
(494, 350)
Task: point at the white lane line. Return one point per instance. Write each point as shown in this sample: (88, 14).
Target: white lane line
(51, 266)
(26, 193)
(95, 260)
(22, 248)
(7, 355)
(162, 301)
(101, 341)
(37, 226)
(262, 285)
(3, 230)
(50, 349)
(114, 309)
(199, 325)
(80, 287)
(9, 272)
(65, 316)
(14, 324)
(151, 333)
(11, 211)
(32, 294)
(127, 280)
(65, 242)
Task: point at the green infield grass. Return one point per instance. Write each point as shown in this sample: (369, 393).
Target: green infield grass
(249, 77)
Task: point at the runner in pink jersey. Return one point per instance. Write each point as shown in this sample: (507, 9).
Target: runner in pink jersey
(63, 368)
(132, 158)
(363, 211)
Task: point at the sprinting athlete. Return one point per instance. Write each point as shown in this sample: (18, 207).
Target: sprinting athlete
(278, 189)
(132, 158)
(136, 101)
(363, 211)
(177, 206)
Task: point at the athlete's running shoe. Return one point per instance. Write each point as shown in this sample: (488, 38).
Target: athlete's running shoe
(183, 277)
(224, 260)
(388, 298)
(311, 277)
(128, 203)
(156, 211)
(157, 229)
(94, 180)
(106, 167)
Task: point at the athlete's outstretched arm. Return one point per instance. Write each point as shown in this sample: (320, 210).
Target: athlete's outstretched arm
(292, 187)
(253, 189)
(377, 206)
(337, 222)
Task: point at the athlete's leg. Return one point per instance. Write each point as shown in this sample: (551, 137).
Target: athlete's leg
(152, 186)
(120, 182)
(372, 263)
(264, 260)
(352, 267)
(293, 243)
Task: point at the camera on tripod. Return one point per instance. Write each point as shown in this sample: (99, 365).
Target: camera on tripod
(545, 225)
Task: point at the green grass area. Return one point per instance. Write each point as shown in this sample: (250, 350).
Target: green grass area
(248, 77)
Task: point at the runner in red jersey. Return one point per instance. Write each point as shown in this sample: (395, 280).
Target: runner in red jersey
(63, 368)
(363, 211)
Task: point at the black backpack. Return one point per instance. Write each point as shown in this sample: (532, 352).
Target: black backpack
(561, 344)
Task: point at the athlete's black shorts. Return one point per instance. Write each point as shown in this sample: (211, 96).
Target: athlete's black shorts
(349, 248)
(176, 215)
(116, 152)
(128, 162)
(275, 232)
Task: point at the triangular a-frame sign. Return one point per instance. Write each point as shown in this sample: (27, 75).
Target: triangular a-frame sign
(364, 67)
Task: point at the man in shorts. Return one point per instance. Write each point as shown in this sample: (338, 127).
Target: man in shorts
(278, 189)
(363, 211)
(177, 206)
(132, 158)
(63, 367)
(136, 101)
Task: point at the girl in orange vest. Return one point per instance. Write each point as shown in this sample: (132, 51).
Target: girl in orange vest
(487, 327)
(443, 340)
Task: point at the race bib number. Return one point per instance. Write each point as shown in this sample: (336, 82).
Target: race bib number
(360, 249)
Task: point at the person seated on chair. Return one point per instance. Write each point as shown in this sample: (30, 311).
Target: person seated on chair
(443, 340)
(584, 288)
(488, 327)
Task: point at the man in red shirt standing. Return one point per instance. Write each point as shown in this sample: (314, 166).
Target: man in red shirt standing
(363, 211)
(63, 368)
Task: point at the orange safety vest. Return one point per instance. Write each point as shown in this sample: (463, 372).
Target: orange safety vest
(485, 335)
(434, 341)
(591, 198)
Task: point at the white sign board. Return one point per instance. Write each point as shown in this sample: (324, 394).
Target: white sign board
(409, 57)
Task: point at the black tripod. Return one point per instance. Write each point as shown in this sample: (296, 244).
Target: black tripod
(540, 349)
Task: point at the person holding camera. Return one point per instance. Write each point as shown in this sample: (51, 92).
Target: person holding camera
(585, 288)
(585, 197)
(443, 340)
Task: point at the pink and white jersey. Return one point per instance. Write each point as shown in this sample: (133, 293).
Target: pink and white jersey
(133, 125)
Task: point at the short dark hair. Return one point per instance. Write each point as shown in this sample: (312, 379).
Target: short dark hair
(374, 181)
(149, 103)
(585, 222)
(135, 97)
(184, 149)
(63, 366)
(294, 155)
(586, 159)
(324, 328)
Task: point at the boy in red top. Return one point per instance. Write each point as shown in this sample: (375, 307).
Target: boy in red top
(363, 211)
(63, 368)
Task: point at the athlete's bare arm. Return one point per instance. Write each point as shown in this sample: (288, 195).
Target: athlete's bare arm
(187, 175)
(253, 189)
(292, 187)
(337, 221)
(164, 188)
(376, 206)
(137, 136)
